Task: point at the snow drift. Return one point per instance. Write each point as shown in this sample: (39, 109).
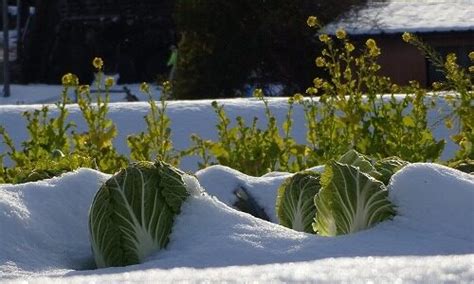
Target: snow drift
(44, 234)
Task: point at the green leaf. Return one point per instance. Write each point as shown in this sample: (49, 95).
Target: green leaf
(133, 212)
(349, 201)
(388, 167)
(356, 159)
(294, 205)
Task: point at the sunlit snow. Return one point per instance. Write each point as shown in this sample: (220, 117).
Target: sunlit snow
(44, 233)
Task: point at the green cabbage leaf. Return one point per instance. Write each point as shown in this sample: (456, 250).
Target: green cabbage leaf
(350, 200)
(132, 214)
(388, 167)
(358, 160)
(294, 205)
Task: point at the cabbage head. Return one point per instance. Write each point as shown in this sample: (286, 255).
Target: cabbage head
(132, 214)
(294, 205)
(358, 160)
(388, 167)
(350, 200)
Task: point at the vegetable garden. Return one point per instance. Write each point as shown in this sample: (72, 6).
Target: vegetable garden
(362, 127)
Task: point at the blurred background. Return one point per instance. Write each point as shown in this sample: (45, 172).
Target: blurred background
(223, 48)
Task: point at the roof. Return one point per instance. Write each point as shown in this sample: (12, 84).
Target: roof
(396, 16)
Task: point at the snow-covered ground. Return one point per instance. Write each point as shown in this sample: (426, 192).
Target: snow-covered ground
(45, 235)
(49, 94)
(44, 232)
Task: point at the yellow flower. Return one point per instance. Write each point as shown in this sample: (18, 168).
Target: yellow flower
(258, 93)
(167, 86)
(371, 44)
(66, 79)
(471, 69)
(70, 79)
(349, 47)
(83, 89)
(437, 86)
(320, 62)
(109, 82)
(298, 97)
(341, 34)
(407, 37)
(144, 87)
(98, 63)
(373, 49)
(471, 55)
(311, 91)
(75, 80)
(312, 21)
(395, 88)
(324, 38)
(318, 82)
(374, 52)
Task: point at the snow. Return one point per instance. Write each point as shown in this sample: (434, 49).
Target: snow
(449, 194)
(396, 16)
(44, 225)
(45, 236)
(49, 94)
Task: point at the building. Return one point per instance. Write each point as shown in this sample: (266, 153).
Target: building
(447, 26)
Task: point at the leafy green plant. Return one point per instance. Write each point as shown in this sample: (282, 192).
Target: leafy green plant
(294, 204)
(156, 143)
(460, 80)
(381, 170)
(132, 214)
(248, 148)
(50, 150)
(42, 155)
(97, 141)
(349, 196)
(353, 110)
(409, 137)
(349, 201)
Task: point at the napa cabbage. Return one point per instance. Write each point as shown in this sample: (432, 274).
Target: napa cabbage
(294, 205)
(350, 200)
(356, 159)
(388, 167)
(132, 214)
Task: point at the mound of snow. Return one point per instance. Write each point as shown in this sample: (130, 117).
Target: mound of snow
(44, 224)
(222, 182)
(44, 233)
(436, 199)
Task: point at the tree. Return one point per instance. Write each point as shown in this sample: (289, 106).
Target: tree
(225, 44)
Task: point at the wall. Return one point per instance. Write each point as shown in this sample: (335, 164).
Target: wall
(402, 62)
